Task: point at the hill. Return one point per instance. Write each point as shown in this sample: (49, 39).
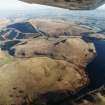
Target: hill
(41, 59)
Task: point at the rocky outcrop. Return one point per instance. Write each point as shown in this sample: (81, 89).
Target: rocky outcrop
(70, 4)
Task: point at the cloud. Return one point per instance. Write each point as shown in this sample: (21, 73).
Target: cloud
(12, 4)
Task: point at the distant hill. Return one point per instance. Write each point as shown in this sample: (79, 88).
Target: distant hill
(4, 22)
(15, 33)
(21, 30)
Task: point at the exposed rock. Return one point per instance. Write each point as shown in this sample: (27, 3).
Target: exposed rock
(70, 4)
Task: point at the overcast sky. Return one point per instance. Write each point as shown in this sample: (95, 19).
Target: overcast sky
(15, 4)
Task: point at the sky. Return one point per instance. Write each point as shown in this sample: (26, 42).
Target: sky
(15, 4)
